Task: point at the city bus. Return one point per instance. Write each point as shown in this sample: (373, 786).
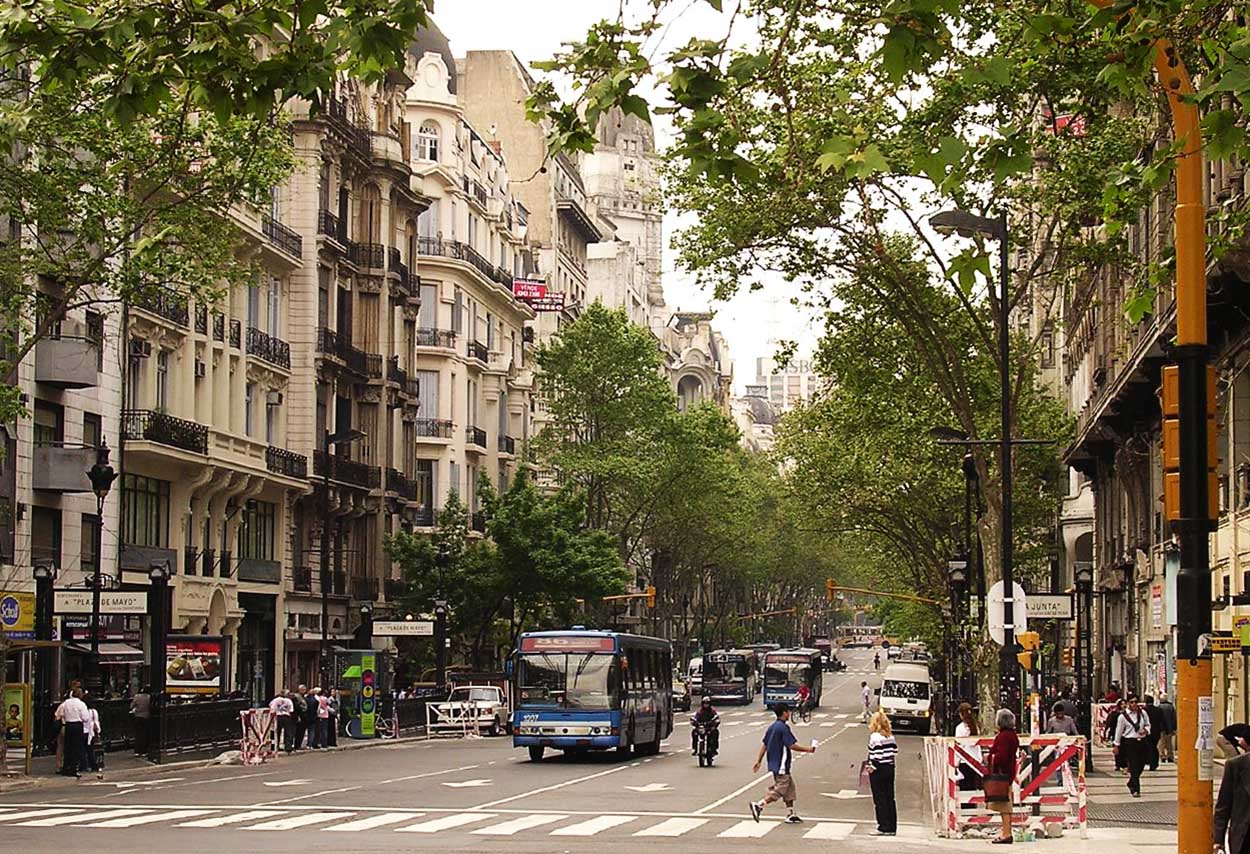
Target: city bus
(583, 690)
(859, 636)
(786, 670)
(730, 674)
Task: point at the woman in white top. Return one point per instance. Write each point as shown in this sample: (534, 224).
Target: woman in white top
(882, 751)
(93, 747)
(969, 779)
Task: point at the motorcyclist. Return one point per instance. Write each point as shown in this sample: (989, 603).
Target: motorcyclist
(876, 661)
(709, 716)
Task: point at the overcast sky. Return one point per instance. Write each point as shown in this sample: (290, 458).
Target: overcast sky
(534, 30)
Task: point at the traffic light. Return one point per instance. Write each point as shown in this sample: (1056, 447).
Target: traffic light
(1067, 656)
(651, 596)
(1029, 643)
(1169, 400)
(831, 589)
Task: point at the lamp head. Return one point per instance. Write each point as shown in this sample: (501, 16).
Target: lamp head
(158, 571)
(101, 474)
(45, 571)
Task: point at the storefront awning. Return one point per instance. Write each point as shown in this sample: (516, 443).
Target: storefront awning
(112, 652)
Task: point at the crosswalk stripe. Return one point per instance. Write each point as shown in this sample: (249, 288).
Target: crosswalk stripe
(842, 716)
(148, 818)
(525, 822)
(829, 724)
(748, 829)
(37, 813)
(593, 826)
(446, 822)
(830, 830)
(672, 827)
(370, 822)
(70, 819)
(235, 818)
(300, 820)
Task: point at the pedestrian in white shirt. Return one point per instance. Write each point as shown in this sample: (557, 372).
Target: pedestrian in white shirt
(282, 709)
(1131, 730)
(73, 715)
(865, 696)
(92, 745)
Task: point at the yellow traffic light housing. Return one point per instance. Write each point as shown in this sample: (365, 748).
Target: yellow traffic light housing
(651, 596)
(1025, 659)
(831, 589)
(1029, 640)
(1169, 402)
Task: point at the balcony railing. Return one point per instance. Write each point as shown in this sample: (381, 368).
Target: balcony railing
(411, 388)
(423, 516)
(201, 319)
(208, 562)
(475, 436)
(370, 255)
(434, 427)
(394, 589)
(275, 351)
(334, 582)
(477, 521)
(188, 560)
(225, 567)
(284, 462)
(285, 238)
(348, 471)
(436, 338)
(477, 350)
(330, 343)
(462, 252)
(236, 334)
(219, 327)
(358, 138)
(328, 225)
(364, 589)
(507, 445)
(479, 193)
(399, 484)
(301, 578)
(394, 373)
(172, 307)
(146, 424)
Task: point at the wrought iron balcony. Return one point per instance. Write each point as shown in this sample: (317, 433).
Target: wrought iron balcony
(282, 236)
(399, 484)
(477, 521)
(507, 445)
(367, 255)
(226, 566)
(151, 426)
(394, 373)
(477, 350)
(284, 462)
(475, 436)
(219, 327)
(275, 351)
(423, 516)
(330, 343)
(479, 193)
(188, 560)
(435, 427)
(436, 338)
(328, 225)
(172, 307)
(236, 334)
(364, 589)
(201, 319)
(411, 388)
(301, 578)
(208, 561)
(347, 471)
(334, 582)
(463, 252)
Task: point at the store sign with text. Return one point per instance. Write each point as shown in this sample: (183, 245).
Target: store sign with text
(1050, 606)
(112, 627)
(193, 664)
(537, 295)
(79, 602)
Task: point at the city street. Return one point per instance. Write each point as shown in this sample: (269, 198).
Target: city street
(481, 794)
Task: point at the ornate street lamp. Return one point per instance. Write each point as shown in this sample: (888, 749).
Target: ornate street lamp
(101, 476)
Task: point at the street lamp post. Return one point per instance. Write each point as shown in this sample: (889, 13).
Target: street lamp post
(45, 605)
(957, 573)
(967, 224)
(442, 561)
(158, 614)
(1084, 667)
(101, 476)
(329, 443)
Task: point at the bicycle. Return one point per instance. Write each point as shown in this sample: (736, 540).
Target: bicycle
(805, 711)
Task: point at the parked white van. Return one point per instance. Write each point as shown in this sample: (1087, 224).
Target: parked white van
(906, 696)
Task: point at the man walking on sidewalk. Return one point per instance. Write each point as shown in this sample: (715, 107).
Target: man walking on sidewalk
(865, 697)
(1232, 810)
(299, 700)
(1167, 729)
(1131, 731)
(73, 715)
(778, 743)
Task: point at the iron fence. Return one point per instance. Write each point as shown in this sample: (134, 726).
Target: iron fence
(273, 350)
(152, 426)
(282, 236)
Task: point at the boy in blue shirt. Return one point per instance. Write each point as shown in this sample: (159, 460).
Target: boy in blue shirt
(778, 744)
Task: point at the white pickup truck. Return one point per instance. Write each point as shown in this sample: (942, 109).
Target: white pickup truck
(480, 707)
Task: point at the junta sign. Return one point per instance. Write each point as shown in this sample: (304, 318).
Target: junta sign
(403, 628)
(1050, 606)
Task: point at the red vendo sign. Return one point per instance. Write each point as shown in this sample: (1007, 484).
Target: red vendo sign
(528, 289)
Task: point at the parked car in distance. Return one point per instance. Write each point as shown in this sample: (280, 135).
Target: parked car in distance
(483, 705)
(681, 693)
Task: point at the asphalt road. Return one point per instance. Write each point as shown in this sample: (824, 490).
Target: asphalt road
(483, 795)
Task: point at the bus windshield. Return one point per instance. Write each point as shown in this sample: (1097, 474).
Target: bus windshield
(726, 671)
(575, 681)
(786, 675)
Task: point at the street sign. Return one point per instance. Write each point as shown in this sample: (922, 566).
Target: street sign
(79, 602)
(1050, 606)
(1225, 644)
(403, 628)
(994, 610)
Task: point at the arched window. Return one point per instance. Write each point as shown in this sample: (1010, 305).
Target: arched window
(427, 142)
(689, 392)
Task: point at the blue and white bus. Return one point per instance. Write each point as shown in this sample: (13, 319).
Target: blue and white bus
(730, 675)
(785, 670)
(584, 690)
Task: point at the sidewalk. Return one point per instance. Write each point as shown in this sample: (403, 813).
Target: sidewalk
(1111, 805)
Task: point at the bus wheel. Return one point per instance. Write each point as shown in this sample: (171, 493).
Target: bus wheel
(536, 753)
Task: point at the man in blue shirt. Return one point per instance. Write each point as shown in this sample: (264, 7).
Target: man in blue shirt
(778, 744)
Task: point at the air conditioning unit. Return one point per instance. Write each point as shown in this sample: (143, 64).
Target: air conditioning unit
(140, 348)
(200, 369)
(273, 398)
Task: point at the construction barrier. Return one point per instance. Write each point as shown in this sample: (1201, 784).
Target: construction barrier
(1048, 795)
(456, 719)
(1099, 712)
(260, 736)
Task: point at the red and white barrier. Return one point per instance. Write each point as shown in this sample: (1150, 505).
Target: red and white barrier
(1099, 714)
(260, 736)
(1048, 791)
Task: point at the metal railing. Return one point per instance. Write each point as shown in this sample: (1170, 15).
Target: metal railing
(435, 427)
(475, 436)
(188, 560)
(236, 334)
(225, 567)
(394, 588)
(208, 562)
(477, 521)
(289, 463)
(436, 246)
(152, 426)
(172, 307)
(347, 471)
(479, 193)
(423, 516)
(301, 579)
(330, 343)
(368, 255)
(411, 388)
(199, 725)
(219, 327)
(435, 338)
(394, 373)
(201, 319)
(398, 483)
(282, 236)
(273, 350)
(359, 138)
(507, 445)
(328, 225)
(477, 350)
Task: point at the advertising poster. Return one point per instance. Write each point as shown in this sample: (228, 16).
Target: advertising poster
(368, 695)
(193, 664)
(17, 714)
(17, 614)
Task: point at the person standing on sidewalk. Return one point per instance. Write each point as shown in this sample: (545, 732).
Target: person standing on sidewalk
(778, 744)
(332, 725)
(281, 708)
(1059, 722)
(312, 718)
(882, 753)
(73, 715)
(92, 747)
(1004, 753)
(1131, 731)
(1156, 729)
(865, 698)
(299, 700)
(1167, 729)
(1232, 810)
(141, 720)
(323, 720)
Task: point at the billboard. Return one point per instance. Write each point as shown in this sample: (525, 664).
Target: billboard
(536, 294)
(17, 614)
(193, 664)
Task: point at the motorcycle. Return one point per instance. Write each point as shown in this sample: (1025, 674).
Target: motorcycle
(703, 741)
(835, 665)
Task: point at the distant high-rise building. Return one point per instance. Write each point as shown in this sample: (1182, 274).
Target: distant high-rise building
(788, 385)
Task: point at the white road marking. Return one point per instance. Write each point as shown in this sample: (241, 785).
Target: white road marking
(673, 827)
(36, 813)
(370, 822)
(831, 830)
(525, 822)
(277, 783)
(468, 784)
(234, 818)
(70, 819)
(594, 825)
(148, 818)
(748, 829)
(842, 716)
(446, 822)
(651, 787)
(828, 724)
(300, 820)
(844, 794)
(554, 786)
(131, 784)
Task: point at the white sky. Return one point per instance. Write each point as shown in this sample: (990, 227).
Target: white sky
(534, 30)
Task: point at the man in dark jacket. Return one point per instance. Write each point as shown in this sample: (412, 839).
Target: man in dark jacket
(300, 701)
(1232, 810)
(1152, 741)
(1167, 733)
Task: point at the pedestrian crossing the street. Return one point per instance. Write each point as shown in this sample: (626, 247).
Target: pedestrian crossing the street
(355, 820)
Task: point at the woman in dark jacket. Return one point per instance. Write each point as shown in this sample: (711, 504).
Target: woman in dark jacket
(1113, 720)
(1002, 761)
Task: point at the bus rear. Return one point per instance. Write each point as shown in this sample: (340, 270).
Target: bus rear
(785, 671)
(729, 676)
